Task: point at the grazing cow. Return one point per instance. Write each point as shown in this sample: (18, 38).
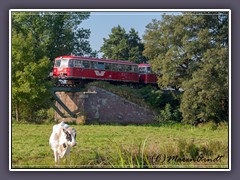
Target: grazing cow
(63, 137)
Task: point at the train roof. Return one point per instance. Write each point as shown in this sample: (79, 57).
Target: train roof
(144, 65)
(97, 59)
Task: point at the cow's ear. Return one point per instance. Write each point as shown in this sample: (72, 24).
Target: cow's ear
(75, 132)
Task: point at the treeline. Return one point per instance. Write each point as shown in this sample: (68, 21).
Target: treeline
(188, 51)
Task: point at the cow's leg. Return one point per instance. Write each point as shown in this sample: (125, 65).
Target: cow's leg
(56, 157)
(68, 158)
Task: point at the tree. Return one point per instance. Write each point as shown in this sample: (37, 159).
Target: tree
(123, 46)
(135, 47)
(206, 95)
(37, 38)
(186, 49)
(61, 32)
(30, 89)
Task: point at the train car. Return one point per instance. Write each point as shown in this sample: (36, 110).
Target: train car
(146, 75)
(76, 68)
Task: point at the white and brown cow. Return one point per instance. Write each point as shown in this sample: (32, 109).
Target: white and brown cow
(63, 137)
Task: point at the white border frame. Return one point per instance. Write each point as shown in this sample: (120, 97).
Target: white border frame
(116, 10)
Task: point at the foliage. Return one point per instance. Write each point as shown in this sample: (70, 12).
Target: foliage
(37, 38)
(166, 102)
(60, 32)
(159, 98)
(190, 51)
(123, 46)
(30, 88)
(209, 101)
(169, 114)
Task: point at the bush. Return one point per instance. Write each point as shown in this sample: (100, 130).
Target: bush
(169, 114)
(159, 98)
(40, 116)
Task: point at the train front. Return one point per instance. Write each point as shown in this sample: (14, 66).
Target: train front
(62, 69)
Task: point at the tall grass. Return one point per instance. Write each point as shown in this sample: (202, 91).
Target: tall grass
(182, 155)
(108, 146)
(123, 158)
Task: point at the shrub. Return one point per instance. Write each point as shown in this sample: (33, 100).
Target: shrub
(40, 116)
(169, 114)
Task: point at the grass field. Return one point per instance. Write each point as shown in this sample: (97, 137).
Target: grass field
(115, 146)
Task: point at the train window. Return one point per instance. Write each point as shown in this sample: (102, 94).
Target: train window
(93, 65)
(120, 67)
(57, 63)
(128, 68)
(64, 63)
(70, 63)
(149, 70)
(101, 66)
(107, 66)
(86, 64)
(124, 68)
(114, 67)
(142, 70)
(135, 69)
(78, 63)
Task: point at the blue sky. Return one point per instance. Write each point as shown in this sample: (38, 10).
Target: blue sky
(101, 23)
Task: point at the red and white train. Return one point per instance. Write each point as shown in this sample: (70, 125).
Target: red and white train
(75, 69)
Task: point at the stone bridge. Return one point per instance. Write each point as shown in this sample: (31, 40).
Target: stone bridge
(101, 106)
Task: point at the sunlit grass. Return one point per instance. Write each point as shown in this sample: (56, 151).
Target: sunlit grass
(113, 146)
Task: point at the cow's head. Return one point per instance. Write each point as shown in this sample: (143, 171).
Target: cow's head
(70, 135)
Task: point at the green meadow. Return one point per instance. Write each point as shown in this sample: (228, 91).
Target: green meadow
(118, 146)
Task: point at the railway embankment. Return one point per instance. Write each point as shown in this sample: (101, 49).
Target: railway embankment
(99, 105)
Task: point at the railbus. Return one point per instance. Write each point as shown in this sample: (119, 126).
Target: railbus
(76, 69)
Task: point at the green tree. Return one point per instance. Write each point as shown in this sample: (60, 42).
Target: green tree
(61, 32)
(123, 46)
(37, 38)
(30, 89)
(185, 49)
(206, 95)
(135, 47)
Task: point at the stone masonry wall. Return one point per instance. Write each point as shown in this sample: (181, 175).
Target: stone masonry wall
(105, 107)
